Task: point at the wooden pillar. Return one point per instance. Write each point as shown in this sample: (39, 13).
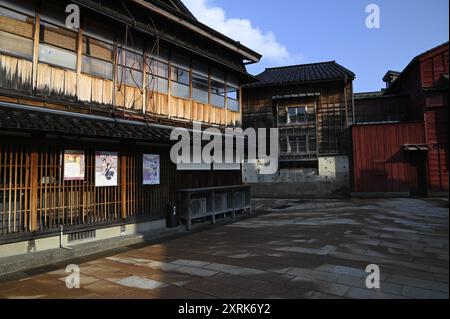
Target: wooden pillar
(37, 25)
(79, 60)
(123, 179)
(34, 184)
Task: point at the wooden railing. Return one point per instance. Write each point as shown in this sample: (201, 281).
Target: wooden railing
(210, 202)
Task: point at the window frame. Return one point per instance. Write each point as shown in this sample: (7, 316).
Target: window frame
(60, 48)
(156, 76)
(121, 77)
(31, 39)
(87, 55)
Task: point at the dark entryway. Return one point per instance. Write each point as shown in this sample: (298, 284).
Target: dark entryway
(418, 173)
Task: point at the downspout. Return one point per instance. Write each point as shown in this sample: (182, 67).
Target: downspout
(61, 238)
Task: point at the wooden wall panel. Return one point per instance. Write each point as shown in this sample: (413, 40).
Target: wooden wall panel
(56, 82)
(15, 74)
(381, 145)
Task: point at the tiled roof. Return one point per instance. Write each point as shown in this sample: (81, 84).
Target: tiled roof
(322, 71)
(39, 121)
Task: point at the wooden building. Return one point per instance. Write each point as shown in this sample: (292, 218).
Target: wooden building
(312, 106)
(74, 101)
(405, 128)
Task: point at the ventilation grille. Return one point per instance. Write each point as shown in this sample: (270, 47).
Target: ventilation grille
(83, 235)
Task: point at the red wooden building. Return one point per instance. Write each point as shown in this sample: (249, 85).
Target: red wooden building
(404, 149)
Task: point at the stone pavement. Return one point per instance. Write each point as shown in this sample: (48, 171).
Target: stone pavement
(298, 249)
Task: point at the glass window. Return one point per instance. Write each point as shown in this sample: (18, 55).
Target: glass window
(296, 115)
(57, 56)
(233, 98)
(200, 88)
(129, 76)
(130, 66)
(200, 82)
(217, 93)
(296, 144)
(157, 84)
(180, 82)
(180, 75)
(97, 58)
(58, 46)
(16, 33)
(97, 67)
(157, 76)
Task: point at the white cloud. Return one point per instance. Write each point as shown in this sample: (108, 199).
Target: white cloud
(263, 42)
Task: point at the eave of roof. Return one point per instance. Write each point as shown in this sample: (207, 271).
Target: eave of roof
(245, 76)
(202, 29)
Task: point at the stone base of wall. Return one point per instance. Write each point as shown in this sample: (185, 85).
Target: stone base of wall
(28, 254)
(301, 190)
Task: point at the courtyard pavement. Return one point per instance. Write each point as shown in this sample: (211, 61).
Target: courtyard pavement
(296, 249)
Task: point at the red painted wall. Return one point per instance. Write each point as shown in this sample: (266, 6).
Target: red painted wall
(379, 163)
(433, 65)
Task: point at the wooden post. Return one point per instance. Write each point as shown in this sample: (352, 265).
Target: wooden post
(169, 86)
(37, 25)
(144, 81)
(123, 178)
(34, 183)
(79, 60)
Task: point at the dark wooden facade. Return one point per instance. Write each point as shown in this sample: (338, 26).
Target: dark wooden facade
(119, 84)
(328, 115)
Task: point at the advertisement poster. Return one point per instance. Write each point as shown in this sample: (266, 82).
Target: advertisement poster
(106, 169)
(74, 165)
(151, 166)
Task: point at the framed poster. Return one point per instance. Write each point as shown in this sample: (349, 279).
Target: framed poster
(106, 169)
(151, 169)
(74, 165)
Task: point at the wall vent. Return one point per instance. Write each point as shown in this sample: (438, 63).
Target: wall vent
(83, 235)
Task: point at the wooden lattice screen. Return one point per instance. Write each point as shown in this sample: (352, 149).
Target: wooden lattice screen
(34, 195)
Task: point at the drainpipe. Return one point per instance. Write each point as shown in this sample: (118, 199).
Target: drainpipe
(61, 239)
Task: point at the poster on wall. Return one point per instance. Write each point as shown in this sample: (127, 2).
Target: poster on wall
(74, 165)
(106, 169)
(151, 169)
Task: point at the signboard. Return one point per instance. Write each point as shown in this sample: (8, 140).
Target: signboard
(106, 169)
(74, 165)
(151, 169)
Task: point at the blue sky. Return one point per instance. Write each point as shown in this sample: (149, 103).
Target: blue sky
(299, 31)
